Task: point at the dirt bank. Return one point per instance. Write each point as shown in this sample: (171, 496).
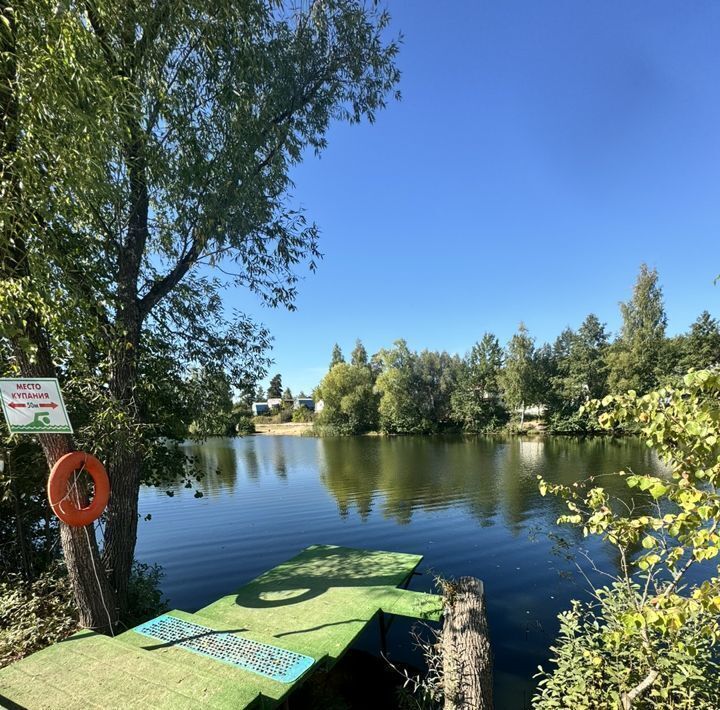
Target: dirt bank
(288, 429)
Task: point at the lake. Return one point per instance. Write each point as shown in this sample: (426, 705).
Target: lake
(469, 505)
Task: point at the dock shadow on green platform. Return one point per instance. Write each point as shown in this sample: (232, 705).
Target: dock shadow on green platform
(315, 604)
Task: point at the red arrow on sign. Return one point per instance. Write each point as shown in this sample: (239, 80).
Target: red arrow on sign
(15, 405)
(49, 405)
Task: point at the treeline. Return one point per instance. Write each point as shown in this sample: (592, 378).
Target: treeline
(399, 391)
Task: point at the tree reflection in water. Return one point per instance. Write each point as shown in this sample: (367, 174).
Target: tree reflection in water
(471, 505)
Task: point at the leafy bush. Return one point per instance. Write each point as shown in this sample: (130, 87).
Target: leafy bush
(573, 422)
(35, 615)
(424, 691)
(22, 491)
(302, 414)
(245, 425)
(350, 399)
(660, 624)
(596, 661)
(145, 598)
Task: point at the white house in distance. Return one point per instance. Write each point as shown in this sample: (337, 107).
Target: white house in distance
(260, 408)
(272, 403)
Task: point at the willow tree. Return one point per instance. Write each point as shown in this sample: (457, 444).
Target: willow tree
(146, 153)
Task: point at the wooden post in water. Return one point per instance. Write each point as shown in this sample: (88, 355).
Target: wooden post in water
(466, 653)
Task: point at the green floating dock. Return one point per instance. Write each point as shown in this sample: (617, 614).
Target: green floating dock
(313, 605)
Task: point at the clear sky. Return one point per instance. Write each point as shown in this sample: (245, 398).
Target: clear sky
(541, 151)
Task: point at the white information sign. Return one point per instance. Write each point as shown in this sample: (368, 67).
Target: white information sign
(34, 406)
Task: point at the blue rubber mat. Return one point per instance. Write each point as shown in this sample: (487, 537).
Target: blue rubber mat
(261, 658)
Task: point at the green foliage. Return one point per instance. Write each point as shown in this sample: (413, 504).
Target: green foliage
(635, 359)
(577, 372)
(28, 530)
(302, 415)
(700, 348)
(285, 414)
(35, 615)
(359, 356)
(424, 691)
(595, 660)
(145, 161)
(518, 376)
(337, 356)
(475, 400)
(350, 400)
(581, 365)
(145, 598)
(244, 424)
(212, 400)
(38, 614)
(672, 527)
(415, 390)
(275, 389)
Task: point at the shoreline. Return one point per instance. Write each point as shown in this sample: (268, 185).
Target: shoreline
(306, 429)
(285, 429)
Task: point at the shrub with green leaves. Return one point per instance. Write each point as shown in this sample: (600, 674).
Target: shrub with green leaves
(145, 598)
(302, 415)
(35, 615)
(656, 610)
(38, 614)
(245, 425)
(596, 660)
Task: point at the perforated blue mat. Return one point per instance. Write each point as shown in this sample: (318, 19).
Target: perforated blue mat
(261, 658)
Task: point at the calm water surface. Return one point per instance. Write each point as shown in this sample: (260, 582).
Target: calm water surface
(470, 506)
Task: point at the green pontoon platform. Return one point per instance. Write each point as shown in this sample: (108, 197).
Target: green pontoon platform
(250, 649)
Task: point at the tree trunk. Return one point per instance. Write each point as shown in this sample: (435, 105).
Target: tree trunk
(93, 595)
(122, 520)
(125, 462)
(522, 415)
(466, 652)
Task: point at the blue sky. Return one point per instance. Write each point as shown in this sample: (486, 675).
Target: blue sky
(541, 151)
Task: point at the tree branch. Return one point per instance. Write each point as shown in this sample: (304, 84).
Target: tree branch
(164, 285)
(102, 35)
(627, 699)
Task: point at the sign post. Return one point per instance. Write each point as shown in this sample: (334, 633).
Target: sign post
(34, 406)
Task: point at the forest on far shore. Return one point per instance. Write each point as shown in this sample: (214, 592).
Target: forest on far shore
(401, 391)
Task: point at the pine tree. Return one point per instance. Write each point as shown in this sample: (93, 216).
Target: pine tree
(359, 356)
(702, 343)
(275, 390)
(337, 356)
(578, 372)
(587, 364)
(475, 402)
(635, 360)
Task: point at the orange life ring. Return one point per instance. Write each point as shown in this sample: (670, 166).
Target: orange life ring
(57, 488)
